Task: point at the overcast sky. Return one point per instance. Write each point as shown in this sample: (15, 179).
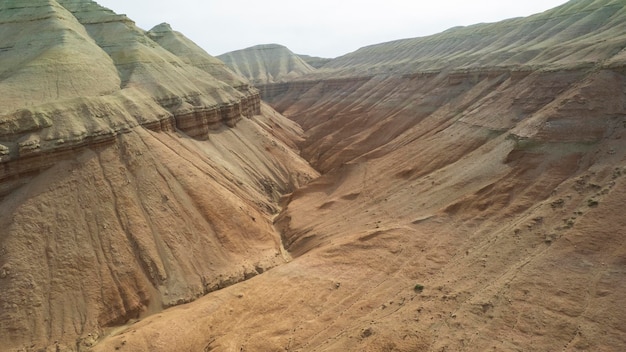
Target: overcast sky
(327, 28)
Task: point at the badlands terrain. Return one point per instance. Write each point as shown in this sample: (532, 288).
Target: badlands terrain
(268, 63)
(457, 192)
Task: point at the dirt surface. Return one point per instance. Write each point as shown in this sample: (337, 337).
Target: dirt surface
(516, 241)
(456, 208)
(147, 183)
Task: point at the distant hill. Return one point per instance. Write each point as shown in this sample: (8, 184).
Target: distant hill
(575, 34)
(268, 63)
(315, 61)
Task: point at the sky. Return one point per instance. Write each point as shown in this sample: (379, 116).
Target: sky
(325, 28)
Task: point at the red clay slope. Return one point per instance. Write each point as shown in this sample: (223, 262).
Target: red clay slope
(471, 200)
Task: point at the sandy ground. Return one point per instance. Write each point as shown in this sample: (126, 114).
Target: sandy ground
(461, 192)
(514, 232)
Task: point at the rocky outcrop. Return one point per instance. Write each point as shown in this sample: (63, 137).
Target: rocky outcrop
(286, 91)
(127, 91)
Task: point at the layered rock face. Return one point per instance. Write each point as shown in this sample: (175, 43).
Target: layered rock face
(137, 172)
(91, 75)
(268, 63)
(470, 200)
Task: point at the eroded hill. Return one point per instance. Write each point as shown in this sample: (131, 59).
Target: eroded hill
(470, 199)
(137, 173)
(267, 63)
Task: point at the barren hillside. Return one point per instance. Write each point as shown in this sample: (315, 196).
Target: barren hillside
(314, 61)
(136, 174)
(267, 63)
(470, 200)
(470, 196)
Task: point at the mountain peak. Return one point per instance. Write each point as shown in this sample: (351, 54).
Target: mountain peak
(162, 27)
(267, 47)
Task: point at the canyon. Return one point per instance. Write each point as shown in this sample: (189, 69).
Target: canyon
(456, 192)
(138, 173)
